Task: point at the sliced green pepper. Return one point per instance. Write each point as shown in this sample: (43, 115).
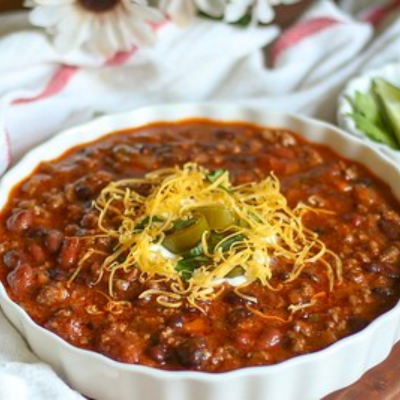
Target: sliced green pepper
(218, 217)
(180, 241)
(235, 272)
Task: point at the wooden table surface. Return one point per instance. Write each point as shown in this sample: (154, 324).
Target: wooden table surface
(383, 381)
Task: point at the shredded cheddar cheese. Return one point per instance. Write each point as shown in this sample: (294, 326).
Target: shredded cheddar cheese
(266, 229)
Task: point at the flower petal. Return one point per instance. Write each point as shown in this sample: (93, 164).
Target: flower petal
(214, 8)
(123, 30)
(72, 31)
(236, 10)
(181, 12)
(142, 33)
(109, 36)
(46, 16)
(53, 2)
(263, 12)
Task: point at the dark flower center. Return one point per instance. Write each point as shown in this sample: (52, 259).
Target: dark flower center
(98, 6)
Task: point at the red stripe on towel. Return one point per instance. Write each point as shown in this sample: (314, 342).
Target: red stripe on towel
(56, 84)
(65, 73)
(376, 16)
(298, 33)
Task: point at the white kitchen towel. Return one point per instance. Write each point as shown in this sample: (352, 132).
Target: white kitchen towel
(43, 92)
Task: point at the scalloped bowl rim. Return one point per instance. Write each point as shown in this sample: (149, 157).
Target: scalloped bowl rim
(176, 112)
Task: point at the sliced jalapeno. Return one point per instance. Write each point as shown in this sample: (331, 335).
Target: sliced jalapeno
(235, 272)
(218, 217)
(184, 239)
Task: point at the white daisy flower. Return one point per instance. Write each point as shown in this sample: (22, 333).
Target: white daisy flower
(100, 26)
(182, 12)
(260, 10)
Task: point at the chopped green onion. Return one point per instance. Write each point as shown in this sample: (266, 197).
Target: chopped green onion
(213, 176)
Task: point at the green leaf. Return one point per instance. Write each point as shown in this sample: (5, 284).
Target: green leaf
(368, 118)
(389, 101)
(373, 131)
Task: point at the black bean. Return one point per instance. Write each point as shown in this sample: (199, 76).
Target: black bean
(356, 323)
(232, 298)
(36, 233)
(176, 322)
(382, 269)
(192, 353)
(365, 181)
(83, 192)
(238, 315)
(282, 276)
(383, 292)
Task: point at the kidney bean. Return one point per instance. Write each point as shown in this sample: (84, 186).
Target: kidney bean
(269, 337)
(89, 220)
(21, 279)
(37, 253)
(14, 257)
(69, 252)
(244, 339)
(158, 353)
(53, 241)
(20, 221)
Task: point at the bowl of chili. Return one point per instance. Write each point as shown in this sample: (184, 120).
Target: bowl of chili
(203, 250)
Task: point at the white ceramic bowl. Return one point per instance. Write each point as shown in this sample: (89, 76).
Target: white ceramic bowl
(391, 73)
(305, 377)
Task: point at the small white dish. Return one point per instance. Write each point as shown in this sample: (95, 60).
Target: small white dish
(307, 377)
(391, 73)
